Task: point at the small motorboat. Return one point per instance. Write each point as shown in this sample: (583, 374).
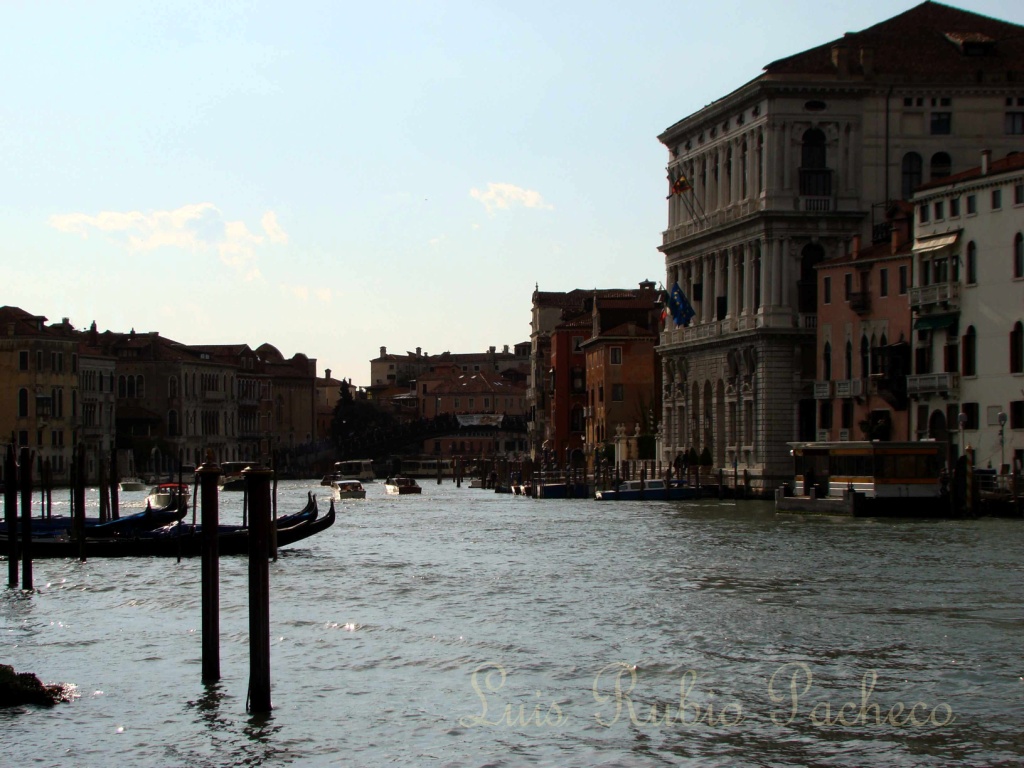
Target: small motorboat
(168, 495)
(401, 486)
(347, 489)
(132, 484)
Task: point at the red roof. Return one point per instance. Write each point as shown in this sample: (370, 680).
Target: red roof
(1014, 162)
(929, 39)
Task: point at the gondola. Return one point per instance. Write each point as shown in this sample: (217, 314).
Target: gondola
(231, 540)
(129, 525)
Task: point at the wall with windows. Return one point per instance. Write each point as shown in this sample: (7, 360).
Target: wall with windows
(984, 210)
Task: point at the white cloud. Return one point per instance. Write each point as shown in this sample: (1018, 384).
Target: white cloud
(324, 294)
(500, 196)
(299, 292)
(273, 229)
(196, 227)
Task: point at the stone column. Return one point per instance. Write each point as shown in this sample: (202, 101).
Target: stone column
(748, 279)
(732, 300)
(766, 274)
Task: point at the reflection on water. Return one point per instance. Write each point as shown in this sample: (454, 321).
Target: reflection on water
(463, 627)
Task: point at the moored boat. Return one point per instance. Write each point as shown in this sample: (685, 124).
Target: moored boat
(131, 484)
(648, 490)
(180, 540)
(168, 494)
(401, 485)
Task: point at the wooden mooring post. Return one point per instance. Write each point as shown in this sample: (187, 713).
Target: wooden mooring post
(209, 474)
(79, 483)
(257, 484)
(25, 484)
(11, 514)
(115, 481)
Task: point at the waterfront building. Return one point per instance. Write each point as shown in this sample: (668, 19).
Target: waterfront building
(968, 303)
(864, 337)
(390, 369)
(556, 394)
(622, 374)
(39, 389)
(97, 401)
(781, 174)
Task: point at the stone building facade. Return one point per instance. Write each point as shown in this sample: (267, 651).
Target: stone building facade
(781, 174)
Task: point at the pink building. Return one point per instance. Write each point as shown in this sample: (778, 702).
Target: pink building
(864, 338)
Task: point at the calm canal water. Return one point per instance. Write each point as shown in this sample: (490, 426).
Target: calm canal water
(466, 628)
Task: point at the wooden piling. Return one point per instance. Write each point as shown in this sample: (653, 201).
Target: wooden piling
(273, 501)
(258, 492)
(80, 501)
(103, 491)
(114, 483)
(209, 475)
(25, 483)
(11, 514)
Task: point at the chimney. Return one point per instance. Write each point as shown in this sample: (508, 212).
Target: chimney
(419, 351)
(855, 246)
(841, 59)
(505, 350)
(327, 373)
(867, 60)
(986, 157)
(383, 351)
(491, 350)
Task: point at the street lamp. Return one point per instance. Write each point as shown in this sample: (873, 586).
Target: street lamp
(962, 419)
(1002, 444)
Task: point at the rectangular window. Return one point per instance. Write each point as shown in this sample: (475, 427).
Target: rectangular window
(825, 415)
(1018, 194)
(904, 281)
(39, 359)
(942, 123)
(458, 402)
(577, 343)
(615, 355)
(618, 393)
(883, 282)
(23, 360)
(997, 199)
(847, 414)
(1017, 414)
(954, 207)
(971, 409)
(939, 211)
(827, 290)
(847, 285)
(972, 205)
(1014, 124)
(922, 214)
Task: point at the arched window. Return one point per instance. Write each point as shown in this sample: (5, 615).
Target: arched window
(1017, 348)
(122, 387)
(942, 166)
(172, 424)
(23, 403)
(972, 263)
(1018, 255)
(131, 387)
(865, 358)
(172, 386)
(140, 386)
(826, 362)
(911, 174)
(970, 352)
(849, 359)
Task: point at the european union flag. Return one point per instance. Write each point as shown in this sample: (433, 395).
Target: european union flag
(682, 310)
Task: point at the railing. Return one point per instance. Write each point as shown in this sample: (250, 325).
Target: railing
(939, 293)
(213, 394)
(933, 383)
(844, 434)
(821, 435)
(808, 320)
(815, 204)
(822, 390)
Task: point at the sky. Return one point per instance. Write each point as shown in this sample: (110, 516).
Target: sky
(335, 177)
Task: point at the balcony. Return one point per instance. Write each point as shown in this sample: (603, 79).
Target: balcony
(822, 390)
(850, 388)
(926, 384)
(844, 435)
(939, 296)
(212, 394)
(821, 435)
(860, 302)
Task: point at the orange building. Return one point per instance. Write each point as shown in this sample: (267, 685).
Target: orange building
(863, 339)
